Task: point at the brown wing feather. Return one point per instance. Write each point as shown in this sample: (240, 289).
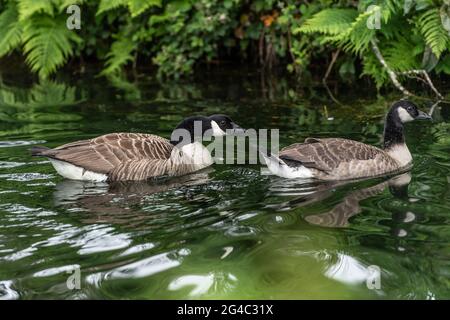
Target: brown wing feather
(109, 152)
(336, 154)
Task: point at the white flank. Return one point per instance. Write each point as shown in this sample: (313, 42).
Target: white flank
(197, 154)
(284, 171)
(404, 115)
(73, 172)
(217, 132)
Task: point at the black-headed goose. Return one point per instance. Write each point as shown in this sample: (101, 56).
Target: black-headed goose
(138, 156)
(342, 159)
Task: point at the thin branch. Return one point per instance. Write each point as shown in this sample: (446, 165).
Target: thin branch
(391, 73)
(334, 56)
(417, 78)
(433, 107)
(424, 73)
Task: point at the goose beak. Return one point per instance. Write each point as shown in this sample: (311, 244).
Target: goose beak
(236, 129)
(423, 116)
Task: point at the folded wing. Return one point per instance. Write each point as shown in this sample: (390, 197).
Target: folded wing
(106, 153)
(332, 155)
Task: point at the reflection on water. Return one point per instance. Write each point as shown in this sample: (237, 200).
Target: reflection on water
(226, 232)
(115, 202)
(349, 206)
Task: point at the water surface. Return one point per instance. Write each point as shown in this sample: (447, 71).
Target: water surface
(225, 232)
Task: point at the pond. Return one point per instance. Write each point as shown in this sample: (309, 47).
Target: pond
(228, 232)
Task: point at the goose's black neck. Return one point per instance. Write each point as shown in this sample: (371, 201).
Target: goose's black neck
(393, 130)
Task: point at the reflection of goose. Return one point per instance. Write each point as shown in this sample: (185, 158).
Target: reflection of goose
(349, 206)
(342, 159)
(113, 202)
(135, 156)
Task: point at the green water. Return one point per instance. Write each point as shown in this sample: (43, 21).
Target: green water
(226, 232)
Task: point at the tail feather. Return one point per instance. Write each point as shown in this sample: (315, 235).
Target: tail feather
(282, 169)
(273, 162)
(37, 151)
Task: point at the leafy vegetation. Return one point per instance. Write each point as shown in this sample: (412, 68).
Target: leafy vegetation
(177, 35)
(410, 35)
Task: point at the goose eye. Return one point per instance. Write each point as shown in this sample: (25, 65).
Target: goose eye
(222, 123)
(409, 108)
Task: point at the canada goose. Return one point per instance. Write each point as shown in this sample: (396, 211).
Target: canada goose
(343, 159)
(137, 156)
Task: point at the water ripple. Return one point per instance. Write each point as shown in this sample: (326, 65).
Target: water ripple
(7, 292)
(28, 176)
(18, 143)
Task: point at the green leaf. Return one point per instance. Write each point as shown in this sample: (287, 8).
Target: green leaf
(120, 54)
(373, 68)
(137, 7)
(329, 21)
(396, 58)
(430, 26)
(64, 4)
(29, 7)
(10, 30)
(48, 44)
(106, 5)
(178, 5)
(356, 39)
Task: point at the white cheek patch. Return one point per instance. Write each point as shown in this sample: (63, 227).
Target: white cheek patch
(217, 132)
(404, 115)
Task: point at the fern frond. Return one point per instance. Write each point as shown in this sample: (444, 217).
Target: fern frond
(10, 30)
(329, 21)
(356, 38)
(120, 54)
(42, 94)
(106, 5)
(29, 7)
(137, 7)
(50, 93)
(390, 8)
(397, 59)
(64, 4)
(373, 69)
(48, 44)
(430, 26)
